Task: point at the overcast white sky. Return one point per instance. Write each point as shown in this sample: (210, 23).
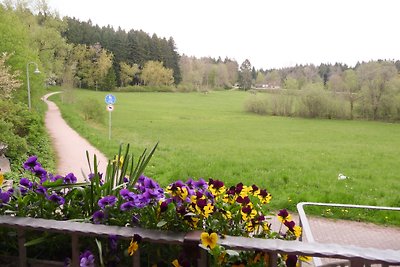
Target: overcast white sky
(270, 33)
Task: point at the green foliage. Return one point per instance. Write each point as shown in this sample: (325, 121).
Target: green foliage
(17, 146)
(137, 88)
(256, 105)
(154, 74)
(315, 102)
(92, 109)
(24, 132)
(132, 47)
(245, 75)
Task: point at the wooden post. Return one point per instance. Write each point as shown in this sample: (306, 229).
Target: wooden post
(21, 247)
(75, 249)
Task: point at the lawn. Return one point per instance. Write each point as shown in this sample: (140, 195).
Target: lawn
(211, 136)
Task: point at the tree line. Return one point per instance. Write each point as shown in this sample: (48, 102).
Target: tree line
(370, 90)
(133, 48)
(80, 54)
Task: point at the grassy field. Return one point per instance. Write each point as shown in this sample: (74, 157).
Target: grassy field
(295, 159)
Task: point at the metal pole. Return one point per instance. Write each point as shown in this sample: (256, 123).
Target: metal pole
(29, 88)
(109, 125)
(28, 82)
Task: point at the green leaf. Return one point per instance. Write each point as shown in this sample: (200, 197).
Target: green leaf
(36, 241)
(161, 224)
(98, 243)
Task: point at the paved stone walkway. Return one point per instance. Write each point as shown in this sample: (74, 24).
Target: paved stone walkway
(71, 152)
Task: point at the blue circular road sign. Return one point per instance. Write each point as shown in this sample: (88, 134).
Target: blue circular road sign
(110, 99)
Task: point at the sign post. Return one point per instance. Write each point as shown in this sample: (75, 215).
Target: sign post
(110, 101)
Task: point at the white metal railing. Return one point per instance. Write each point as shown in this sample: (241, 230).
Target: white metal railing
(307, 229)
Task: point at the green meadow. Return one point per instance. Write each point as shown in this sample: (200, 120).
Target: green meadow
(211, 136)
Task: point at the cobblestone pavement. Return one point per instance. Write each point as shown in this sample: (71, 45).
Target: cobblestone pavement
(70, 147)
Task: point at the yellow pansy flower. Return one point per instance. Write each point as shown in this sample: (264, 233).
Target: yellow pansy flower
(297, 231)
(133, 247)
(209, 240)
(305, 258)
(175, 263)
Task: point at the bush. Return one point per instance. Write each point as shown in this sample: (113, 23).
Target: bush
(141, 88)
(190, 87)
(281, 104)
(24, 133)
(93, 110)
(338, 108)
(314, 103)
(256, 104)
(17, 146)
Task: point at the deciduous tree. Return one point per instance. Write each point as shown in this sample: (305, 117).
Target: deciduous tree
(8, 80)
(245, 75)
(155, 74)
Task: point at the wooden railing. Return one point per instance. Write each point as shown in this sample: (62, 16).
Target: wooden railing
(358, 256)
(308, 232)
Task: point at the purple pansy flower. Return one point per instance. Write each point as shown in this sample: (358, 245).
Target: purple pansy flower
(4, 198)
(127, 206)
(107, 201)
(26, 183)
(40, 172)
(98, 216)
(56, 198)
(30, 163)
(126, 194)
(201, 184)
(41, 190)
(70, 178)
(53, 178)
(86, 259)
(283, 213)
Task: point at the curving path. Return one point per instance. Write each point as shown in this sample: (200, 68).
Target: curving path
(70, 147)
(71, 152)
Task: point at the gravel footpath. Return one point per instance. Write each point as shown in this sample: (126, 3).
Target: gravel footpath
(70, 147)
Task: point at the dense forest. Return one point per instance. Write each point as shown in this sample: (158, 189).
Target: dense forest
(72, 53)
(132, 48)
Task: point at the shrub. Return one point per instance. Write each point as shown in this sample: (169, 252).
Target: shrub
(24, 133)
(93, 110)
(314, 103)
(256, 104)
(281, 104)
(17, 146)
(141, 88)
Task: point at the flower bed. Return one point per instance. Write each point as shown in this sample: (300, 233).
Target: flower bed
(125, 197)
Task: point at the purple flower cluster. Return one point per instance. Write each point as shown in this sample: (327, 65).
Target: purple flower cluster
(181, 191)
(107, 201)
(32, 165)
(26, 186)
(5, 196)
(149, 192)
(86, 259)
